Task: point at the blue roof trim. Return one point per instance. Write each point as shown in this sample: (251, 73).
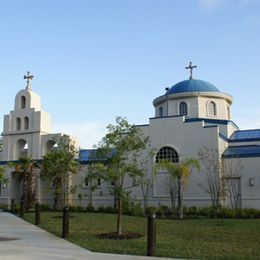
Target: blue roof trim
(163, 117)
(242, 151)
(142, 125)
(223, 137)
(192, 85)
(212, 121)
(210, 126)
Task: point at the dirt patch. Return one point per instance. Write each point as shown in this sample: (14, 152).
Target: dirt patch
(61, 217)
(124, 235)
(3, 239)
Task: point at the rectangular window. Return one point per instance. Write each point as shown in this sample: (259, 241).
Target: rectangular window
(99, 182)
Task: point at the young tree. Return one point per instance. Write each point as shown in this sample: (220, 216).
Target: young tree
(95, 172)
(57, 167)
(181, 171)
(232, 182)
(25, 171)
(120, 150)
(3, 178)
(213, 170)
(145, 184)
(145, 180)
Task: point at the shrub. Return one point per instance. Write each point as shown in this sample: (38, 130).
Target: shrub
(16, 208)
(136, 210)
(72, 208)
(110, 209)
(45, 207)
(150, 210)
(226, 213)
(192, 211)
(159, 213)
(80, 208)
(4, 207)
(90, 208)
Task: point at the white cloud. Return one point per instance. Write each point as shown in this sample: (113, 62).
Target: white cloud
(210, 5)
(88, 134)
(243, 3)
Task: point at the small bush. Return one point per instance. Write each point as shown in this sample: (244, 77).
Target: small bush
(80, 208)
(137, 210)
(45, 207)
(159, 213)
(16, 208)
(227, 213)
(110, 209)
(72, 208)
(192, 211)
(150, 210)
(90, 208)
(4, 207)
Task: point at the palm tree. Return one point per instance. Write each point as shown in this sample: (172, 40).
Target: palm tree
(57, 166)
(25, 171)
(181, 171)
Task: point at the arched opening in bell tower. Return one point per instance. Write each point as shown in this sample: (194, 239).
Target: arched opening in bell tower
(23, 102)
(49, 146)
(21, 149)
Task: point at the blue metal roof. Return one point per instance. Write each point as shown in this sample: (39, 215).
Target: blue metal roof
(192, 85)
(242, 151)
(86, 155)
(244, 135)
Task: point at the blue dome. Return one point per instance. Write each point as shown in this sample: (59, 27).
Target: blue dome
(192, 85)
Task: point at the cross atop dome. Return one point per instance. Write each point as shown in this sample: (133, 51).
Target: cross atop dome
(28, 78)
(191, 67)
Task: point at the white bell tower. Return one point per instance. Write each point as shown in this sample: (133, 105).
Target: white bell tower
(25, 126)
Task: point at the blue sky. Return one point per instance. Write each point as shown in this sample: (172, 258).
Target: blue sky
(95, 60)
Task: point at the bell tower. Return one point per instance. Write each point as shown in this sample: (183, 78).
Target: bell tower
(25, 125)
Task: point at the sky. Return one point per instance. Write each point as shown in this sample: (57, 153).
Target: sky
(93, 60)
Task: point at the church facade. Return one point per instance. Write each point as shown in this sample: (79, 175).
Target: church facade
(190, 117)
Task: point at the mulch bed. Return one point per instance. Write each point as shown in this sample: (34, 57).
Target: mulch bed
(124, 235)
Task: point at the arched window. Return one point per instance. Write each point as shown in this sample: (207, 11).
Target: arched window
(167, 153)
(212, 109)
(26, 123)
(18, 123)
(160, 112)
(23, 102)
(183, 109)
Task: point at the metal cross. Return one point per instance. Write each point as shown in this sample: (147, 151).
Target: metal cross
(28, 78)
(190, 67)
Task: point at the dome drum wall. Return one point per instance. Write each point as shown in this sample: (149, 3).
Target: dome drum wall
(199, 96)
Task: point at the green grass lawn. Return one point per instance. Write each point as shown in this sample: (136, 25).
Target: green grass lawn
(194, 239)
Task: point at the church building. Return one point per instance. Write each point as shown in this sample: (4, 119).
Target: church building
(191, 116)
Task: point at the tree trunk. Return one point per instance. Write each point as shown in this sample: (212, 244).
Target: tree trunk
(180, 208)
(31, 189)
(58, 200)
(119, 217)
(25, 190)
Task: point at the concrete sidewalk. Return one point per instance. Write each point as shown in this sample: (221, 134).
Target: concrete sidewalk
(22, 240)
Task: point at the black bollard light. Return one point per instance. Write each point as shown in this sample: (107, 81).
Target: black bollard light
(151, 235)
(22, 207)
(65, 224)
(37, 213)
(12, 205)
